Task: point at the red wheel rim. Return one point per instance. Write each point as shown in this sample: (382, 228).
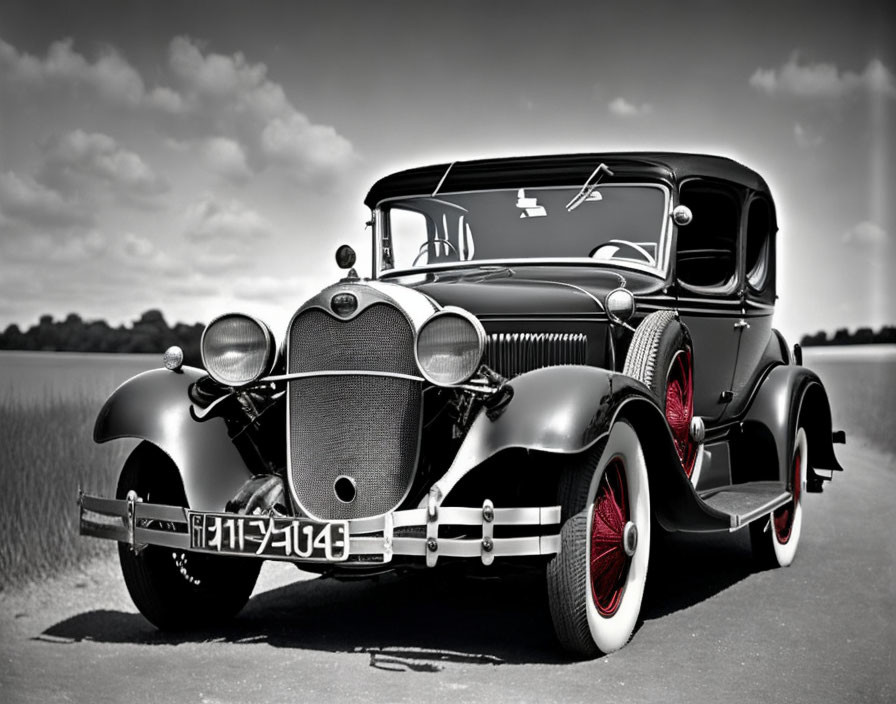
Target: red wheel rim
(609, 563)
(680, 408)
(783, 517)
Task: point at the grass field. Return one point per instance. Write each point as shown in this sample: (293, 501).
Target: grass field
(45, 451)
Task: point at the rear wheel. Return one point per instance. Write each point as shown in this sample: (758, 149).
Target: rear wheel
(177, 589)
(775, 539)
(596, 582)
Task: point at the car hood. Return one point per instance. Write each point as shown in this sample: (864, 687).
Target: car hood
(514, 291)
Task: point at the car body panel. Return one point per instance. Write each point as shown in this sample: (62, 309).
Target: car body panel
(155, 406)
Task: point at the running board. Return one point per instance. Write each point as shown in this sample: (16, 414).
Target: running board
(744, 503)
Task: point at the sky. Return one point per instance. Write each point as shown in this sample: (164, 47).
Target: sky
(208, 157)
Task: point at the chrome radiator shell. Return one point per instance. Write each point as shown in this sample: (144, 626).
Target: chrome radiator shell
(363, 421)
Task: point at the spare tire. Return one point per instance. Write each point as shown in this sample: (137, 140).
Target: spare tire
(661, 357)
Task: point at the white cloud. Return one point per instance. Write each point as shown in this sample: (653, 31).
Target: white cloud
(623, 108)
(110, 75)
(209, 219)
(822, 80)
(226, 158)
(217, 262)
(79, 155)
(139, 253)
(268, 288)
(307, 148)
(256, 109)
(70, 246)
(805, 138)
(24, 199)
(866, 233)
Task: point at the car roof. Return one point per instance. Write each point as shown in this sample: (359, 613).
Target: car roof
(559, 170)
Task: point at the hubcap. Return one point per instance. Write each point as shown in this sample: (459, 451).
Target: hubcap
(613, 539)
(630, 538)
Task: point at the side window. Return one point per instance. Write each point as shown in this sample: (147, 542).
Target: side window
(406, 233)
(759, 235)
(706, 256)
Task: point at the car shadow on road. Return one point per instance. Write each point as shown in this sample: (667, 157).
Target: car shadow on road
(422, 621)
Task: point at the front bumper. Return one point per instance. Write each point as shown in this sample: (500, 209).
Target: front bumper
(366, 540)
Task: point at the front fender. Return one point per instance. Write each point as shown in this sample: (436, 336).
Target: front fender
(791, 395)
(565, 410)
(155, 406)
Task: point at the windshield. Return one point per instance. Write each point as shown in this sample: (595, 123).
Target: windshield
(619, 224)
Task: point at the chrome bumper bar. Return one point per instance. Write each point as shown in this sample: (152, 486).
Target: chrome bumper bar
(139, 524)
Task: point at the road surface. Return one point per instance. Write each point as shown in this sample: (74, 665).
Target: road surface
(823, 630)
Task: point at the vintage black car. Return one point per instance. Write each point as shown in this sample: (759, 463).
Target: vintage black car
(553, 359)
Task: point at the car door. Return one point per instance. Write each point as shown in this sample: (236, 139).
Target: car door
(757, 259)
(706, 285)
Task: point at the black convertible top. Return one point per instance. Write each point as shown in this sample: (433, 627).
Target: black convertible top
(559, 170)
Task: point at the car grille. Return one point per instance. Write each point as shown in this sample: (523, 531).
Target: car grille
(510, 354)
(363, 427)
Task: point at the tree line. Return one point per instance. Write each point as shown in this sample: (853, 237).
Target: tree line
(862, 336)
(150, 333)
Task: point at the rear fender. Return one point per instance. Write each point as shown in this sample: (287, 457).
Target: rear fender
(565, 410)
(792, 395)
(155, 406)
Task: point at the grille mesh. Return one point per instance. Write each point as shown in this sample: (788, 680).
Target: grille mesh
(510, 354)
(363, 427)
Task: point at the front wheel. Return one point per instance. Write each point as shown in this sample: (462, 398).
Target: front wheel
(776, 538)
(176, 589)
(596, 582)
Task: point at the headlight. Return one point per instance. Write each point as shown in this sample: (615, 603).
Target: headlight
(237, 349)
(450, 346)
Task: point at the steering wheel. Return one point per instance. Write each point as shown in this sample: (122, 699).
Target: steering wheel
(438, 240)
(638, 249)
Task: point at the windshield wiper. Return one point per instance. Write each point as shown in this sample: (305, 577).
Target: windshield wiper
(588, 188)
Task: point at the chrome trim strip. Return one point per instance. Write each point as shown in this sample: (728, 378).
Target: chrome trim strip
(444, 176)
(341, 372)
(386, 545)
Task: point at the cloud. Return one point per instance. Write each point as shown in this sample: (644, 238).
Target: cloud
(256, 111)
(268, 288)
(866, 234)
(113, 78)
(822, 80)
(79, 155)
(139, 253)
(71, 246)
(805, 139)
(217, 262)
(623, 108)
(24, 199)
(211, 220)
(226, 158)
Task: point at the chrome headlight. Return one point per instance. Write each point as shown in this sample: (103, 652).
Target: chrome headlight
(237, 349)
(450, 346)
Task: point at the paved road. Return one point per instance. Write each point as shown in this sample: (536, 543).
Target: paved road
(823, 630)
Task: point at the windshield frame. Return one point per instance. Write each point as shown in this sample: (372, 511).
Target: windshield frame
(664, 240)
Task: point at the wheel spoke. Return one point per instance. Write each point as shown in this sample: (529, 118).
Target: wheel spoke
(782, 519)
(680, 408)
(609, 563)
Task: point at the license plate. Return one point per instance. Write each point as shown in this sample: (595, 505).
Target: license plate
(269, 536)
